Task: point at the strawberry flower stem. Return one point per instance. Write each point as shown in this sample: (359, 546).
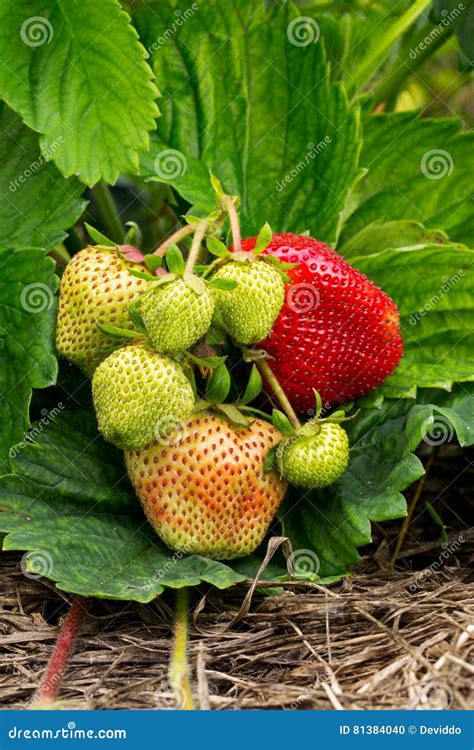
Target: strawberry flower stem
(109, 213)
(234, 223)
(267, 372)
(48, 690)
(179, 667)
(196, 246)
(174, 239)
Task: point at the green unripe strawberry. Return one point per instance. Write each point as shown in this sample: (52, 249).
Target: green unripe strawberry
(96, 287)
(176, 315)
(315, 456)
(140, 396)
(249, 311)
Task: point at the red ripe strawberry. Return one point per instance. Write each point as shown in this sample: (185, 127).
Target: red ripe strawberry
(337, 331)
(205, 491)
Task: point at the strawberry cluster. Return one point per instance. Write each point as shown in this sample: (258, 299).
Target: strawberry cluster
(154, 332)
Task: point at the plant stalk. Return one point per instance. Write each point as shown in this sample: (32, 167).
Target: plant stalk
(196, 246)
(267, 372)
(179, 668)
(109, 213)
(174, 239)
(410, 511)
(48, 690)
(234, 223)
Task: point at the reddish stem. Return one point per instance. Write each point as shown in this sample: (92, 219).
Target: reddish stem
(49, 687)
(174, 239)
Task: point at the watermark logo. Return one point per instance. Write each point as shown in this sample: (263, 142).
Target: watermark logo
(36, 31)
(170, 164)
(436, 696)
(37, 564)
(35, 165)
(447, 18)
(30, 436)
(36, 298)
(446, 285)
(179, 20)
(438, 429)
(436, 164)
(302, 298)
(170, 430)
(303, 563)
(302, 31)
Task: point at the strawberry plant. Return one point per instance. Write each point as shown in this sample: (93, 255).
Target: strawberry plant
(227, 253)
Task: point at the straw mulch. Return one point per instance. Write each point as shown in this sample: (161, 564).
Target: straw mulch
(380, 639)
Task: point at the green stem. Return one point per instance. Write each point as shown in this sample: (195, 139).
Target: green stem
(109, 213)
(196, 246)
(363, 72)
(174, 238)
(60, 255)
(73, 242)
(234, 223)
(390, 85)
(179, 667)
(267, 372)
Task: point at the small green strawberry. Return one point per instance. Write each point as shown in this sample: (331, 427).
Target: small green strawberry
(96, 288)
(316, 455)
(249, 311)
(206, 491)
(139, 396)
(177, 314)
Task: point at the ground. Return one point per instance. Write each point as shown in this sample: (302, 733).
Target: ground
(380, 639)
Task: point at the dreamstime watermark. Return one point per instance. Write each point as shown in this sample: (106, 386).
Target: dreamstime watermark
(302, 31)
(446, 285)
(179, 20)
(314, 149)
(447, 18)
(31, 436)
(163, 571)
(32, 168)
(36, 297)
(170, 164)
(447, 552)
(303, 563)
(435, 696)
(71, 732)
(37, 563)
(436, 164)
(36, 31)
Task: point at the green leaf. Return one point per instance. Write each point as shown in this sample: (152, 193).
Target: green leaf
(38, 205)
(462, 19)
(418, 169)
(270, 461)
(135, 317)
(282, 423)
(432, 286)
(225, 285)
(77, 75)
(69, 504)
(263, 239)
(216, 110)
(175, 260)
(98, 237)
(210, 362)
(254, 386)
(27, 328)
(218, 386)
(234, 415)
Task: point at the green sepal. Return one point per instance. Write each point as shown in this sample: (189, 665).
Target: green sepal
(175, 260)
(152, 262)
(189, 373)
(194, 283)
(218, 387)
(216, 247)
(271, 461)
(134, 235)
(253, 388)
(282, 423)
(98, 237)
(263, 239)
(281, 264)
(224, 285)
(234, 415)
(122, 333)
(141, 275)
(216, 186)
(135, 317)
